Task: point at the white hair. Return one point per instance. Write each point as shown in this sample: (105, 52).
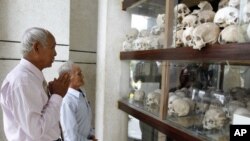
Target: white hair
(33, 35)
(66, 67)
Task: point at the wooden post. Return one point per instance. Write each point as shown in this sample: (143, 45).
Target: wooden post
(169, 19)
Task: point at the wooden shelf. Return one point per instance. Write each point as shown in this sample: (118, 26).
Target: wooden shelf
(214, 52)
(162, 126)
(128, 3)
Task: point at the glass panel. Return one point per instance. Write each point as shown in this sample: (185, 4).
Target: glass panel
(244, 18)
(140, 131)
(145, 79)
(147, 26)
(200, 23)
(205, 98)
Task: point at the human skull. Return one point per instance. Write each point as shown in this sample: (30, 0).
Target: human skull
(155, 30)
(223, 3)
(206, 16)
(191, 104)
(181, 107)
(214, 119)
(187, 37)
(171, 99)
(153, 42)
(160, 21)
(153, 99)
(226, 16)
(139, 95)
(140, 44)
(127, 46)
(206, 33)
(178, 38)
(144, 33)
(246, 13)
(189, 21)
(205, 5)
(180, 11)
(234, 3)
(231, 34)
(132, 34)
(201, 107)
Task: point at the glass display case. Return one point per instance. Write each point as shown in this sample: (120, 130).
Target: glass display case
(199, 74)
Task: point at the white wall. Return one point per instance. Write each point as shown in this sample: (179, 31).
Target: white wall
(83, 36)
(112, 74)
(18, 15)
(75, 24)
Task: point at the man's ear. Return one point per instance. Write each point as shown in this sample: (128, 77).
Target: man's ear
(36, 46)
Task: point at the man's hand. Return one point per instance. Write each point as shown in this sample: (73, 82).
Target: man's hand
(60, 86)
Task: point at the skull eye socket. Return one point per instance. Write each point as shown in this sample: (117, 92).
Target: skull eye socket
(188, 38)
(202, 21)
(185, 8)
(179, 11)
(179, 20)
(198, 38)
(211, 121)
(232, 14)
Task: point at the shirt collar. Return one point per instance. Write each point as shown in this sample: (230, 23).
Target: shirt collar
(75, 92)
(32, 68)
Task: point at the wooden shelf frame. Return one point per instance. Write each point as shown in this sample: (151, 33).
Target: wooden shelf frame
(155, 122)
(211, 52)
(238, 53)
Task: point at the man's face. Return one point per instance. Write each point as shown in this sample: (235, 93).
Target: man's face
(76, 77)
(48, 52)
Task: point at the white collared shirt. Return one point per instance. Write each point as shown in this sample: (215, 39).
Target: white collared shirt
(76, 116)
(27, 113)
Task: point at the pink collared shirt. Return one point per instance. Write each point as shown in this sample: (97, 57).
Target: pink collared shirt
(27, 113)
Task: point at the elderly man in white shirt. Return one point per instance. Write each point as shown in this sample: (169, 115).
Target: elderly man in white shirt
(29, 113)
(76, 114)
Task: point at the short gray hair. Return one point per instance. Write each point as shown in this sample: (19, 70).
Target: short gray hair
(33, 35)
(66, 67)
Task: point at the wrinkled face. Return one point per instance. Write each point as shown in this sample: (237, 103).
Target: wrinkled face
(76, 77)
(47, 52)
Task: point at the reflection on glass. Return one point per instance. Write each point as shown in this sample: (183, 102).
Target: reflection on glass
(145, 78)
(140, 131)
(206, 98)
